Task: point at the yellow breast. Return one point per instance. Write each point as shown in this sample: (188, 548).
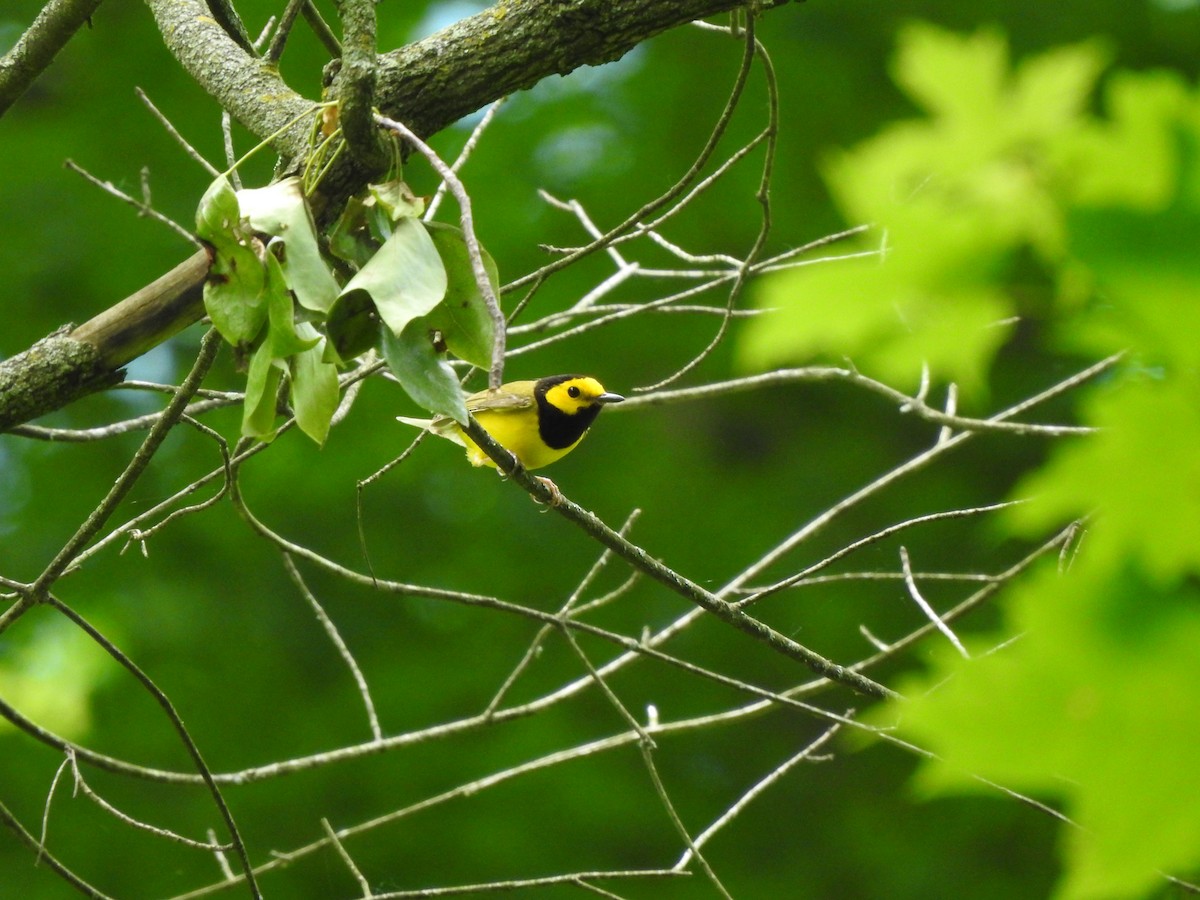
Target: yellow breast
(516, 431)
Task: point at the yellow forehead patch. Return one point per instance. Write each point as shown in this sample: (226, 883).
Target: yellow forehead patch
(578, 393)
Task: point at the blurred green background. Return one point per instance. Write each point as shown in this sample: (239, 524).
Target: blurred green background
(209, 613)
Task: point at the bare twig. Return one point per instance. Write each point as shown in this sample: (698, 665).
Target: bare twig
(143, 209)
(346, 858)
(44, 855)
(174, 132)
(180, 729)
(82, 785)
(37, 592)
(282, 30)
(336, 638)
(807, 753)
(929, 611)
(463, 155)
(753, 49)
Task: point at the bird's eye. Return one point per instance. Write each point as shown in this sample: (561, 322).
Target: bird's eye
(573, 391)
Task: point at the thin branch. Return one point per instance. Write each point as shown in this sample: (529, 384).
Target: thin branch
(36, 48)
(929, 611)
(63, 766)
(143, 209)
(693, 848)
(519, 884)
(346, 858)
(44, 855)
(282, 30)
(680, 187)
(805, 575)
(905, 402)
(753, 49)
(37, 591)
(684, 587)
(82, 785)
(463, 155)
(807, 753)
(180, 729)
(570, 606)
(227, 17)
(229, 70)
(331, 630)
(321, 29)
(174, 132)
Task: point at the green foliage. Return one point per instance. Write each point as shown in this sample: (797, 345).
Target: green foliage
(423, 372)
(233, 293)
(405, 278)
(280, 210)
(462, 318)
(211, 615)
(1094, 703)
(1093, 706)
(52, 676)
(956, 197)
(415, 278)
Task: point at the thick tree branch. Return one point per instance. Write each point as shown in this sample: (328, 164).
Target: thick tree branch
(37, 47)
(356, 85)
(427, 85)
(68, 365)
(512, 46)
(250, 89)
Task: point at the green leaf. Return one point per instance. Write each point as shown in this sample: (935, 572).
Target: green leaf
(406, 278)
(397, 200)
(462, 317)
(262, 389)
(1145, 262)
(218, 216)
(1051, 93)
(350, 238)
(235, 293)
(1144, 110)
(1140, 475)
(353, 325)
(961, 196)
(951, 75)
(314, 387)
(280, 210)
(1063, 712)
(282, 334)
(233, 290)
(918, 306)
(422, 372)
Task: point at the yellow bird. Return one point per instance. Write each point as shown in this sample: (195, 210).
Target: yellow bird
(539, 422)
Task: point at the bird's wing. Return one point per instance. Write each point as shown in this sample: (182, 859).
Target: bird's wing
(517, 395)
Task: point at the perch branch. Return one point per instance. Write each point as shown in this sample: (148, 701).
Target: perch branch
(644, 562)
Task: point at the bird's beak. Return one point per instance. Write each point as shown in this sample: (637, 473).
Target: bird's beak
(610, 398)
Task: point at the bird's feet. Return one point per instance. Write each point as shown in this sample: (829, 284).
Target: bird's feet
(556, 497)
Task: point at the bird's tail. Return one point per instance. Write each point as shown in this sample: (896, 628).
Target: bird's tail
(441, 426)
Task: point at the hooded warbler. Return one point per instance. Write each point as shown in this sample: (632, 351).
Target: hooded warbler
(537, 421)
